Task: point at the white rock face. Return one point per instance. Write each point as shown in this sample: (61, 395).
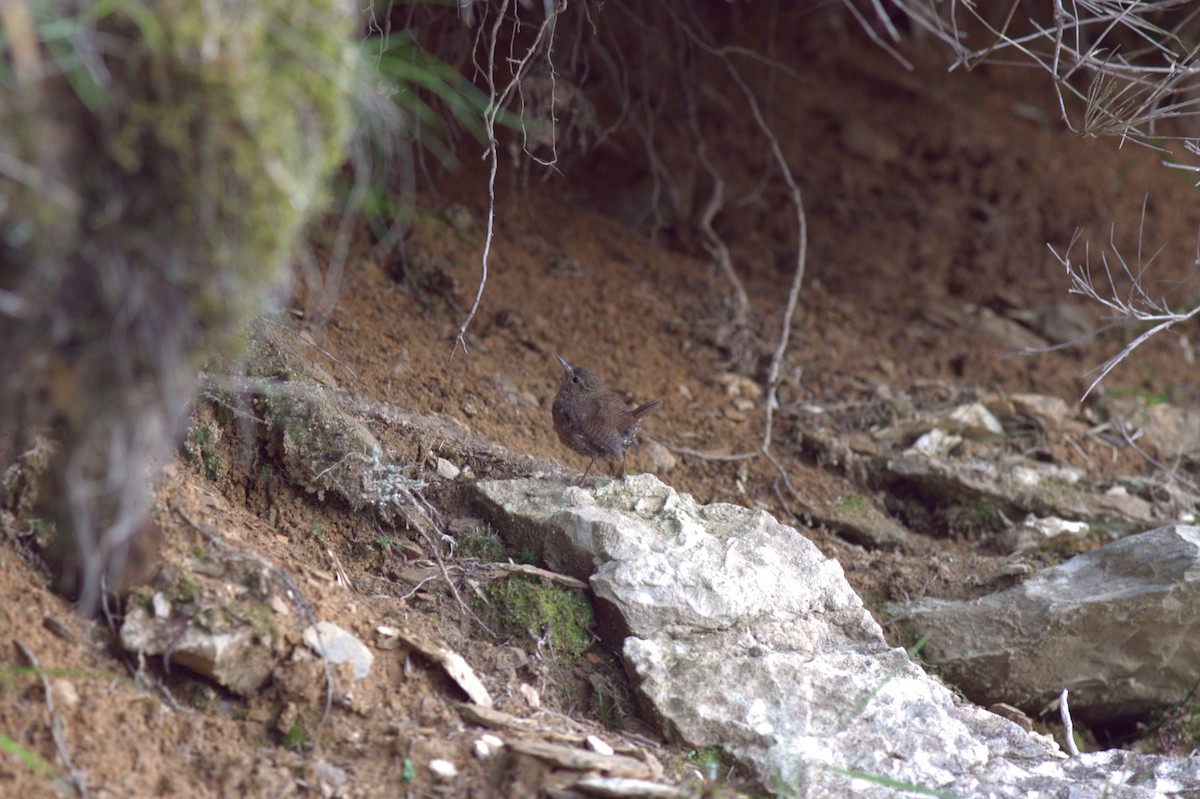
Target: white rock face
(738, 632)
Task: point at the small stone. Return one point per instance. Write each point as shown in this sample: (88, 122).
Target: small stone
(162, 605)
(340, 646)
(278, 605)
(1035, 532)
(975, 421)
(389, 638)
(486, 746)
(65, 694)
(469, 405)
(937, 443)
(330, 777)
(530, 695)
(659, 458)
(598, 746)
(739, 385)
(447, 470)
(443, 770)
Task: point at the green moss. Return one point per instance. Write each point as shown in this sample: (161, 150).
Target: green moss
(295, 739)
(262, 619)
(987, 517)
(529, 610)
(195, 165)
(482, 543)
(712, 761)
(184, 590)
(527, 556)
(200, 450)
(853, 504)
(247, 111)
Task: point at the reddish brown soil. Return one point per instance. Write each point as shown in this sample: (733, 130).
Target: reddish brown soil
(930, 199)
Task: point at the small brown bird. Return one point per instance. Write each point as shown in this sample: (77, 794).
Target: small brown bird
(592, 420)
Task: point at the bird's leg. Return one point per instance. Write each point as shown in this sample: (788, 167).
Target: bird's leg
(622, 466)
(585, 472)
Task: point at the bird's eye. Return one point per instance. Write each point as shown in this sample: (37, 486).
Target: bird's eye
(575, 379)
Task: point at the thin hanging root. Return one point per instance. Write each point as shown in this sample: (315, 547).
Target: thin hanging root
(781, 347)
(497, 100)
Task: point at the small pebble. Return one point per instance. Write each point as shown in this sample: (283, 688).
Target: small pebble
(658, 458)
(278, 605)
(162, 606)
(487, 745)
(447, 470)
(330, 777)
(598, 746)
(443, 769)
(65, 694)
(530, 695)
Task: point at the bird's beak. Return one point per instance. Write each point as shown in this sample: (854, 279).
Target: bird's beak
(566, 366)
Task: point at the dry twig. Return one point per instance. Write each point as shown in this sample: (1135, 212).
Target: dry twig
(1135, 56)
(1132, 303)
(78, 778)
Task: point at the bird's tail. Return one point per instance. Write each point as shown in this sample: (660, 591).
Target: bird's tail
(649, 407)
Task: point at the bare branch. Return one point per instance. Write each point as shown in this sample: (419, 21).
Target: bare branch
(1134, 303)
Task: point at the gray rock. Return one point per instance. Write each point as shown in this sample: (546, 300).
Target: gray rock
(235, 658)
(216, 614)
(738, 632)
(1118, 626)
(1016, 486)
(339, 646)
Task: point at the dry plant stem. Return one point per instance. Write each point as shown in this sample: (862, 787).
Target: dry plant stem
(23, 41)
(1131, 87)
(495, 571)
(714, 243)
(496, 104)
(1173, 474)
(1137, 305)
(1068, 727)
(881, 14)
(437, 555)
(78, 778)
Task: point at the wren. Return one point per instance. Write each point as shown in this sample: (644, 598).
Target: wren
(592, 420)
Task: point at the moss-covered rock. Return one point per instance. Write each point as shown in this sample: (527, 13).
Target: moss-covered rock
(169, 153)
